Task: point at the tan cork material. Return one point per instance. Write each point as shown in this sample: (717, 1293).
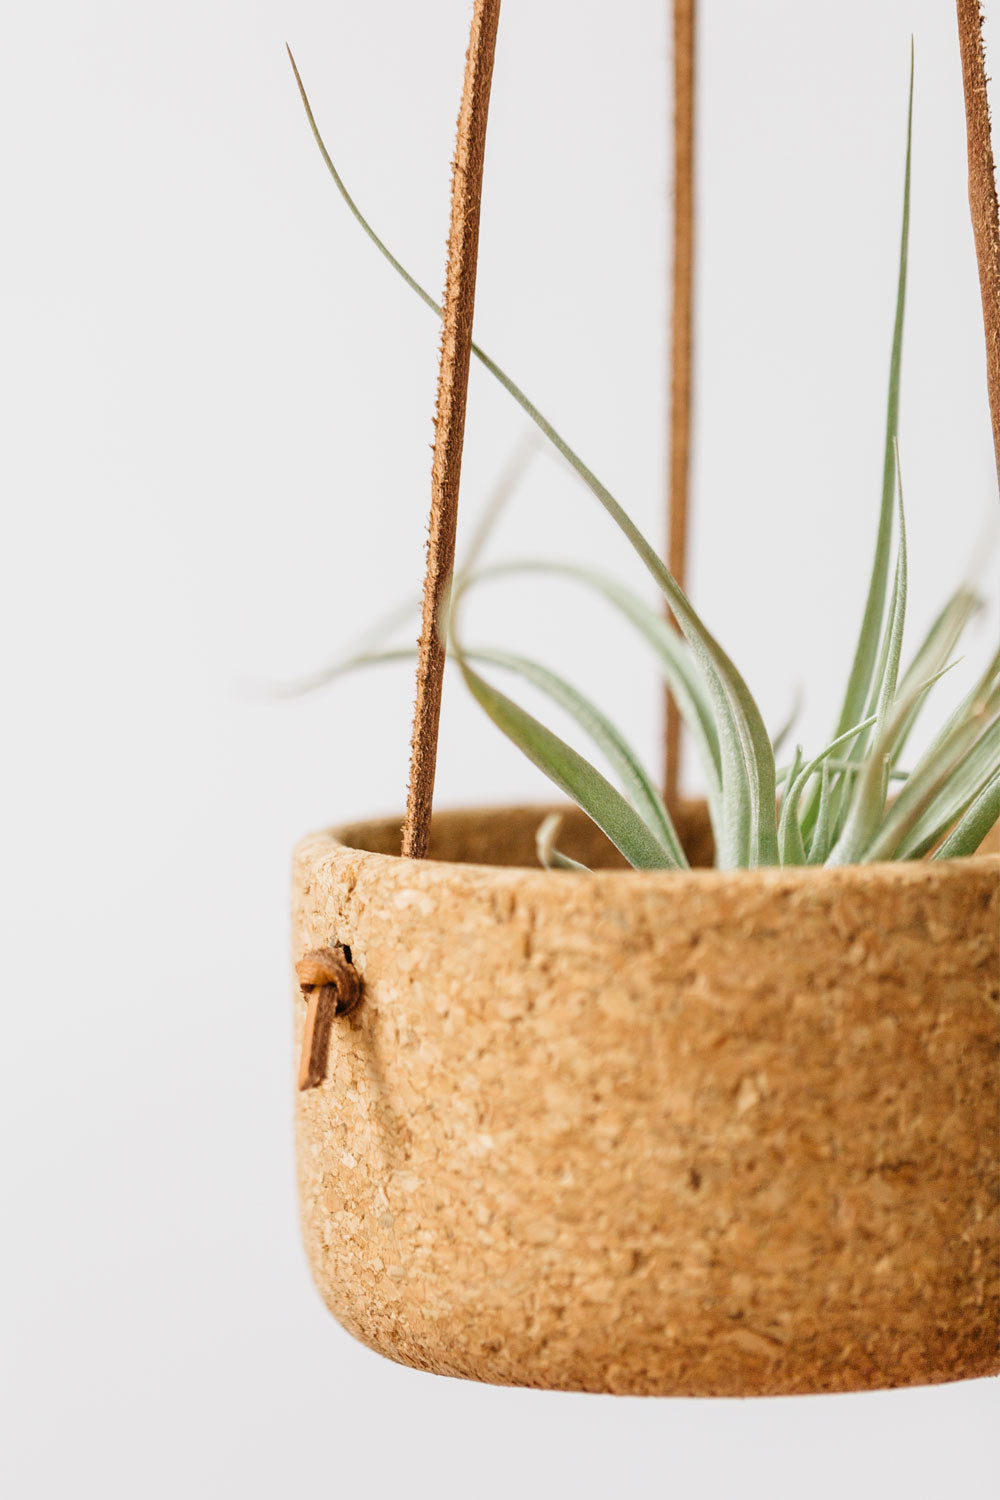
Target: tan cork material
(720, 1133)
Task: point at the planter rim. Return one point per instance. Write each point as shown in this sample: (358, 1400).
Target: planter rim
(350, 837)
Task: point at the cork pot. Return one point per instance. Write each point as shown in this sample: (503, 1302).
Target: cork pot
(723, 1133)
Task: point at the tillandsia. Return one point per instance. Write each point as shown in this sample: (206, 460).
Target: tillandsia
(852, 802)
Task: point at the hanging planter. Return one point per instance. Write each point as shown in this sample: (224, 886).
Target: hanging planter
(662, 1130)
(729, 1133)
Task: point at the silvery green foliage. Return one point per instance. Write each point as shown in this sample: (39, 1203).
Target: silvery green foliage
(835, 807)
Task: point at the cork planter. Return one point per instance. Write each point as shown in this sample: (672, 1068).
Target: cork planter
(720, 1133)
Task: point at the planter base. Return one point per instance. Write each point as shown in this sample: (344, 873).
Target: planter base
(720, 1133)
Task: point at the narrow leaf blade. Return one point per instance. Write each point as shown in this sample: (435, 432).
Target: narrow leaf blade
(572, 774)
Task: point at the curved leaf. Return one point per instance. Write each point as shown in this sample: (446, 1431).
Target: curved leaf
(572, 774)
(673, 653)
(789, 830)
(749, 831)
(859, 687)
(610, 741)
(545, 847)
(966, 837)
(867, 801)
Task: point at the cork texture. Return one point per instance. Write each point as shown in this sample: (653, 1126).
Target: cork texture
(720, 1133)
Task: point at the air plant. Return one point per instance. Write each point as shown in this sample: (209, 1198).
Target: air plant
(840, 806)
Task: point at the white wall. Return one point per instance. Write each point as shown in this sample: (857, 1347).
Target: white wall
(217, 410)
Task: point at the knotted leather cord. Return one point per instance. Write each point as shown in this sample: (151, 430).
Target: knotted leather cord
(332, 987)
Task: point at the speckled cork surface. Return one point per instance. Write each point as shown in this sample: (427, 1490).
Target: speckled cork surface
(711, 1134)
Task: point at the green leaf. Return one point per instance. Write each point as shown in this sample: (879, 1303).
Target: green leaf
(941, 761)
(379, 244)
(955, 795)
(819, 847)
(672, 651)
(790, 843)
(572, 774)
(867, 800)
(785, 729)
(859, 687)
(966, 837)
(549, 857)
(637, 782)
(601, 730)
(932, 655)
(746, 828)
(500, 494)
(789, 830)
(750, 833)
(336, 669)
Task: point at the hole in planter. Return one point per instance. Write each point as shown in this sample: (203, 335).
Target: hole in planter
(694, 1179)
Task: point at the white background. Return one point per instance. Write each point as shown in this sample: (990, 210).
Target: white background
(217, 409)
